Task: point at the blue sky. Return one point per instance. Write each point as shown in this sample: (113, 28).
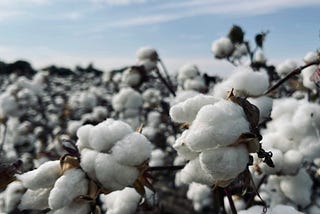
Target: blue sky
(108, 32)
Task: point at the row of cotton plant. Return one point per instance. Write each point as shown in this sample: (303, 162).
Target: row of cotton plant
(239, 146)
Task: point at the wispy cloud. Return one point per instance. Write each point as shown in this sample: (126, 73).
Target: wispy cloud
(120, 2)
(166, 12)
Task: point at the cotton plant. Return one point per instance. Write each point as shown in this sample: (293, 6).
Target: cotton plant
(215, 157)
(201, 196)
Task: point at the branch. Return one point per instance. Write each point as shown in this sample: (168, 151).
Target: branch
(229, 196)
(162, 168)
(165, 82)
(291, 74)
(166, 73)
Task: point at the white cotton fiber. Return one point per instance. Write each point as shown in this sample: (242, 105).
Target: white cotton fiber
(292, 161)
(122, 202)
(310, 57)
(182, 96)
(186, 111)
(35, 199)
(83, 136)
(132, 150)
(182, 149)
(226, 162)
(298, 188)
(284, 107)
(104, 135)
(200, 195)
(157, 158)
(310, 147)
(194, 84)
(264, 105)
(107, 172)
(87, 163)
(286, 67)
(131, 77)
(306, 74)
(127, 98)
(69, 186)
(14, 192)
(187, 71)
(223, 127)
(222, 47)
(43, 177)
(147, 53)
(193, 172)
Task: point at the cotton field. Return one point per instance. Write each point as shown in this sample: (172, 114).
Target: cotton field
(141, 139)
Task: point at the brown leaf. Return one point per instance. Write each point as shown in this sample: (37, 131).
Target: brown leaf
(250, 140)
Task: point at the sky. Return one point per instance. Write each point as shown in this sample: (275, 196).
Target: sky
(109, 32)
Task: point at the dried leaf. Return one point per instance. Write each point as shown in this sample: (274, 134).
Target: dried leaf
(250, 140)
(68, 162)
(138, 186)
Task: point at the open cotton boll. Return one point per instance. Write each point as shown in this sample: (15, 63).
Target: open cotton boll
(284, 107)
(222, 47)
(310, 57)
(182, 96)
(292, 161)
(107, 172)
(272, 190)
(104, 135)
(193, 172)
(306, 74)
(187, 110)
(182, 149)
(225, 124)
(14, 192)
(125, 201)
(127, 98)
(194, 84)
(264, 105)
(225, 163)
(310, 147)
(157, 158)
(42, 177)
(69, 186)
(147, 53)
(277, 158)
(74, 207)
(200, 195)
(35, 199)
(286, 67)
(131, 77)
(280, 209)
(8, 105)
(187, 71)
(253, 210)
(132, 150)
(151, 97)
(147, 64)
(298, 188)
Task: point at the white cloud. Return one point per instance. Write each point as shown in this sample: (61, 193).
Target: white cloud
(119, 2)
(165, 12)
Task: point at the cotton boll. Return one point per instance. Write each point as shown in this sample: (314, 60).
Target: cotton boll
(277, 158)
(83, 136)
(151, 97)
(132, 150)
(314, 209)
(74, 207)
(298, 188)
(280, 209)
(147, 64)
(306, 74)
(70, 185)
(187, 110)
(87, 163)
(225, 124)
(131, 77)
(284, 107)
(194, 84)
(264, 105)
(272, 188)
(310, 57)
(35, 199)
(187, 71)
(286, 67)
(43, 177)
(147, 53)
(73, 126)
(225, 163)
(13, 195)
(292, 160)
(253, 210)
(200, 195)
(193, 172)
(157, 158)
(125, 201)
(222, 47)
(127, 98)
(182, 149)
(104, 135)
(107, 172)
